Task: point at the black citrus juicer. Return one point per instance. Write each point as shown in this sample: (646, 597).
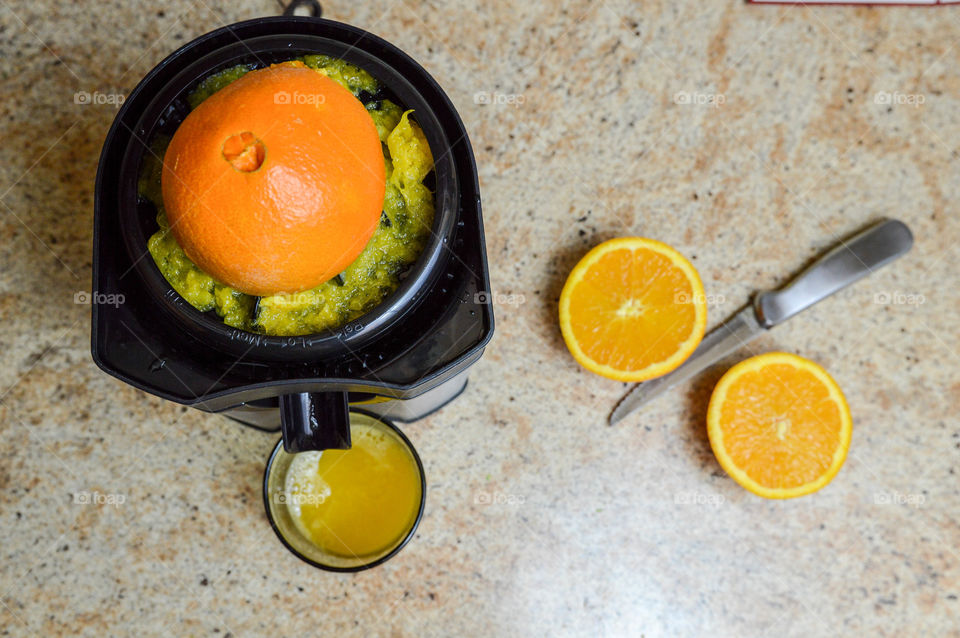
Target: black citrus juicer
(403, 359)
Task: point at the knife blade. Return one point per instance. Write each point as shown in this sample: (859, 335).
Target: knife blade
(848, 262)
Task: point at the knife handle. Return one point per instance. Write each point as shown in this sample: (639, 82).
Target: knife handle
(848, 262)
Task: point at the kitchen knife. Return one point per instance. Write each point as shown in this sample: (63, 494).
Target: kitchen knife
(851, 260)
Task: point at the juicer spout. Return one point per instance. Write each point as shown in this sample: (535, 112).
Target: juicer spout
(315, 421)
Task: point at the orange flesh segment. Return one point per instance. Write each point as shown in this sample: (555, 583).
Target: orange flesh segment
(780, 426)
(632, 309)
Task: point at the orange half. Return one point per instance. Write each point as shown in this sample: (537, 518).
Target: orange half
(275, 183)
(779, 425)
(632, 309)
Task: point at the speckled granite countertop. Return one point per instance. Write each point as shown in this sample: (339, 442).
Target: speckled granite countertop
(748, 137)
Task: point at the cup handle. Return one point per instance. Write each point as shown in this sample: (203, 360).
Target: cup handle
(315, 421)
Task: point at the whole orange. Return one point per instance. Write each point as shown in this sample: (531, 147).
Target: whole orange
(275, 183)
